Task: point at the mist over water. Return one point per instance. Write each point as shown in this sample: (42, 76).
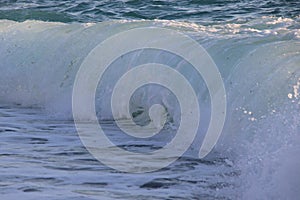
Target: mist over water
(255, 46)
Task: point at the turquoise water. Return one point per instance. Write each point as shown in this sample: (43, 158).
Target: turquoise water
(255, 46)
(186, 10)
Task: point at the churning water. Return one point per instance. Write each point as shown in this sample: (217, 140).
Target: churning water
(256, 47)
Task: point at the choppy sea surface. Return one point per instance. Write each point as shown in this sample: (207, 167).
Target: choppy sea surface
(256, 47)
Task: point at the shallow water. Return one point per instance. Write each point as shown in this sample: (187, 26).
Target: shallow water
(46, 160)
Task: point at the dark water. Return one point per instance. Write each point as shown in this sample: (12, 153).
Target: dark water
(185, 10)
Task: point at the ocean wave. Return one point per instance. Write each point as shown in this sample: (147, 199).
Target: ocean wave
(258, 61)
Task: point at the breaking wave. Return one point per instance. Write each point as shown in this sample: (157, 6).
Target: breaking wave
(259, 61)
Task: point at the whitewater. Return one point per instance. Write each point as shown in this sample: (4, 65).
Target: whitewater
(257, 156)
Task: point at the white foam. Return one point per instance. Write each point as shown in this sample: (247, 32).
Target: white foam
(259, 64)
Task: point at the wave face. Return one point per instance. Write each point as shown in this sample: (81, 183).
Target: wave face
(258, 60)
(40, 59)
